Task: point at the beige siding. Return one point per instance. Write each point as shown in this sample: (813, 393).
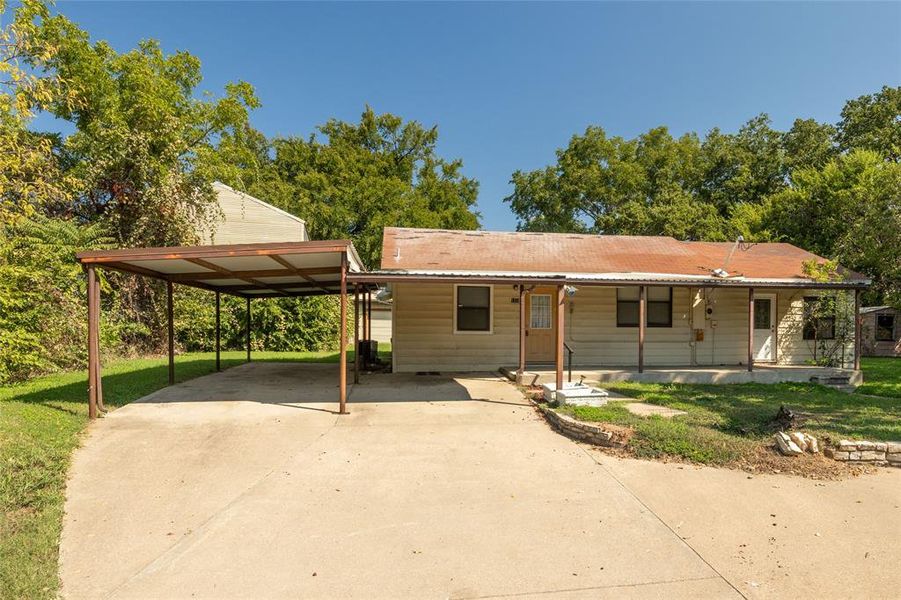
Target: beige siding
(246, 220)
(725, 328)
(381, 325)
(592, 333)
(793, 348)
(424, 339)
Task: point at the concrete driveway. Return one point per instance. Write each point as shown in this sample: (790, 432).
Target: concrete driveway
(245, 484)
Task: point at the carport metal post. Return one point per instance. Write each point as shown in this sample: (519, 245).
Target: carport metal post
(356, 333)
(369, 316)
(171, 328)
(750, 329)
(93, 345)
(247, 329)
(857, 320)
(218, 334)
(642, 311)
(366, 324)
(558, 353)
(98, 377)
(342, 353)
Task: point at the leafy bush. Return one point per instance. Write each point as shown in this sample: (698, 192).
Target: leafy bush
(42, 296)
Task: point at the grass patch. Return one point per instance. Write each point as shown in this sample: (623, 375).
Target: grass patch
(728, 424)
(40, 423)
(881, 377)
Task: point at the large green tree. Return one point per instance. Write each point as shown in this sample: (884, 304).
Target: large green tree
(350, 180)
(873, 122)
(139, 128)
(654, 184)
(827, 188)
(850, 210)
(31, 177)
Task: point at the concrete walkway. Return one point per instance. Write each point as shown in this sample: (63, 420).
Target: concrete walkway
(245, 484)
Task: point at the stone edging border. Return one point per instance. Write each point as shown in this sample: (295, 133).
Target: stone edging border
(878, 453)
(583, 432)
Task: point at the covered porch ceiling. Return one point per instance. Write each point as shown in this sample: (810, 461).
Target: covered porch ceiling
(308, 268)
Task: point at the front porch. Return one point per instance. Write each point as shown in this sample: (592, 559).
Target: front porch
(697, 375)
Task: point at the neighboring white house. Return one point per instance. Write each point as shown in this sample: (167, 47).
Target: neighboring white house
(248, 220)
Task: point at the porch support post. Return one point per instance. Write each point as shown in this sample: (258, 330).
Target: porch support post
(857, 321)
(357, 333)
(342, 353)
(522, 330)
(93, 354)
(750, 329)
(642, 312)
(558, 351)
(247, 329)
(171, 331)
(218, 333)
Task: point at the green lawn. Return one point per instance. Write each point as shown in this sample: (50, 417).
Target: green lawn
(881, 377)
(40, 425)
(727, 423)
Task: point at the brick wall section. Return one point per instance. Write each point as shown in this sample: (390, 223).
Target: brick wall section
(880, 453)
(583, 432)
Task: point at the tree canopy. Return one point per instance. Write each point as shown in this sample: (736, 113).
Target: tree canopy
(350, 180)
(831, 189)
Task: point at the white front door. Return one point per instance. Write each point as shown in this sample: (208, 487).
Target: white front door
(765, 328)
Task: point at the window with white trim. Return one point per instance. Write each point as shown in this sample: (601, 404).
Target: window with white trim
(473, 309)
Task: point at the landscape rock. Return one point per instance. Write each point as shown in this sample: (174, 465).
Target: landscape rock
(786, 445)
(813, 446)
(799, 439)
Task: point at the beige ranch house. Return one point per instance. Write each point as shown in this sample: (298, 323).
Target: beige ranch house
(476, 301)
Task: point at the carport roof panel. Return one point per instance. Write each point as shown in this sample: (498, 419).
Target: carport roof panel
(244, 269)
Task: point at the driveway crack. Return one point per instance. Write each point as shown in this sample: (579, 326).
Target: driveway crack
(661, 520)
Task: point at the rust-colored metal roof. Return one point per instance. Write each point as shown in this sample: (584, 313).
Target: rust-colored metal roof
(252, 270)
(589, 256)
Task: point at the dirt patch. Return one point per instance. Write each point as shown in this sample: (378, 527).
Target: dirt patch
(813, 466)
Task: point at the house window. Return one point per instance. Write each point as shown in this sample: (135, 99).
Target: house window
(659, 307)
(885, 328)
(817, 326)
(473, 313)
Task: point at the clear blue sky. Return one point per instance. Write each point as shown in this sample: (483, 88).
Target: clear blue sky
(507, 84)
